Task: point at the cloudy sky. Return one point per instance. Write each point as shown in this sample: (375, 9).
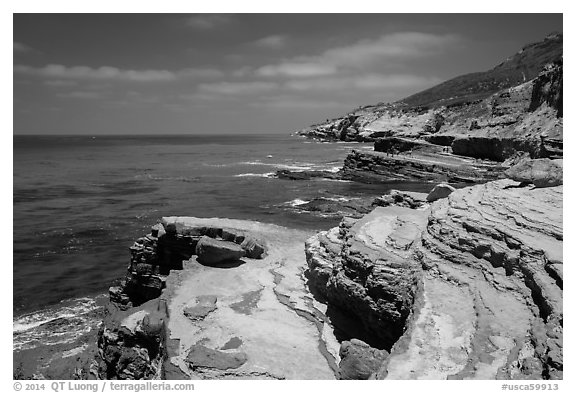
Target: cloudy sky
(246, 73)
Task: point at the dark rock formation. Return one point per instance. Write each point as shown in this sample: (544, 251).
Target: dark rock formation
(542, 172)
(306, 175)
(132, 342)
(366, 271)
(337, 207)
(213, 252)
(495, 148)
(359, 360)
(548, 88)
(411, 200)
(376, 167)
(393, 143)
(203, 357)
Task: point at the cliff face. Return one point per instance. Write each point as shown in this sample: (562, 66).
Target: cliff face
(514, 108)
(218, 315)
(469, 288)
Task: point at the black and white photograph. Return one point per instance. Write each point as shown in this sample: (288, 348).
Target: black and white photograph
(287, 196)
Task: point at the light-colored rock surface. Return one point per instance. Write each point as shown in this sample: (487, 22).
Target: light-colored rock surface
(490, 307)
(472, 287)
(541, 172)
(263, 304)
(440, 191)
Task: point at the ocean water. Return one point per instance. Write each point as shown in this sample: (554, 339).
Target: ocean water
(80, 202)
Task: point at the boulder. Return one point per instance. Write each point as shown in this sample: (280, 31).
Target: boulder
(252, 248)
(359, 360)
(542, 172)
(213, 252)
(440, 191)
(204, 357)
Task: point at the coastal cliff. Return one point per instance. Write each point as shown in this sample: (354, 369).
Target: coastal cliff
(468, 288)
(464, 130)
(227, 316)
(462, 283)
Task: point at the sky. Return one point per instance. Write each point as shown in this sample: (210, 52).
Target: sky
(94, 74)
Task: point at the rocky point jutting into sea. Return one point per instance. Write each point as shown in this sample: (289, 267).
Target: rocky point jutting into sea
(465, 282)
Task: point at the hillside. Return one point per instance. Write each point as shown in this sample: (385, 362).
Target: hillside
(521, 98)
(523, 66)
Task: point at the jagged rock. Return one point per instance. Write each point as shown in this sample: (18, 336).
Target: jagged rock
(541, 172)
(252, 249)
(367, 272)
(213, 252)
(131, 342)
(204, 357)
(359, 360)
(399, 144)
(548, 88)
(440, 191)
(421, 166)
(413, 200)
(495, 148)
(471, 288)
(305, 175)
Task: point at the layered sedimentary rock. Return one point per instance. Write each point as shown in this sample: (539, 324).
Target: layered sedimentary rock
(494, 104)
(365, 268)
(435, 166)
(470, 288)
(134, 337)
(225, 321)
(541, 172)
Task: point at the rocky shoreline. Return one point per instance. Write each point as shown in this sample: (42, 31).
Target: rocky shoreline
(464, 282)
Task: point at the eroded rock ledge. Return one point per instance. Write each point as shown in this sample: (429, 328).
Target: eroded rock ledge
(240, 318)
(469, 288)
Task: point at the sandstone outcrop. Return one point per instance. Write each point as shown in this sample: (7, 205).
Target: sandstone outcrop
(132, 342)
(213, 252)
(470, 288)
(540, 172)
(359, 360)
(440, 191)
(203, 357)
(366, 270)
(436, 167)
(413, 200)
(216, 323)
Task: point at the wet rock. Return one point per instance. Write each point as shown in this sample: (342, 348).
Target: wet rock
(541, 172)
(306, 175)
(440, 191)
(204, 357)
(359, 360)
(213, 252)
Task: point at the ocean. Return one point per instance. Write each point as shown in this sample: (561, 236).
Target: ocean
(79, 202)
